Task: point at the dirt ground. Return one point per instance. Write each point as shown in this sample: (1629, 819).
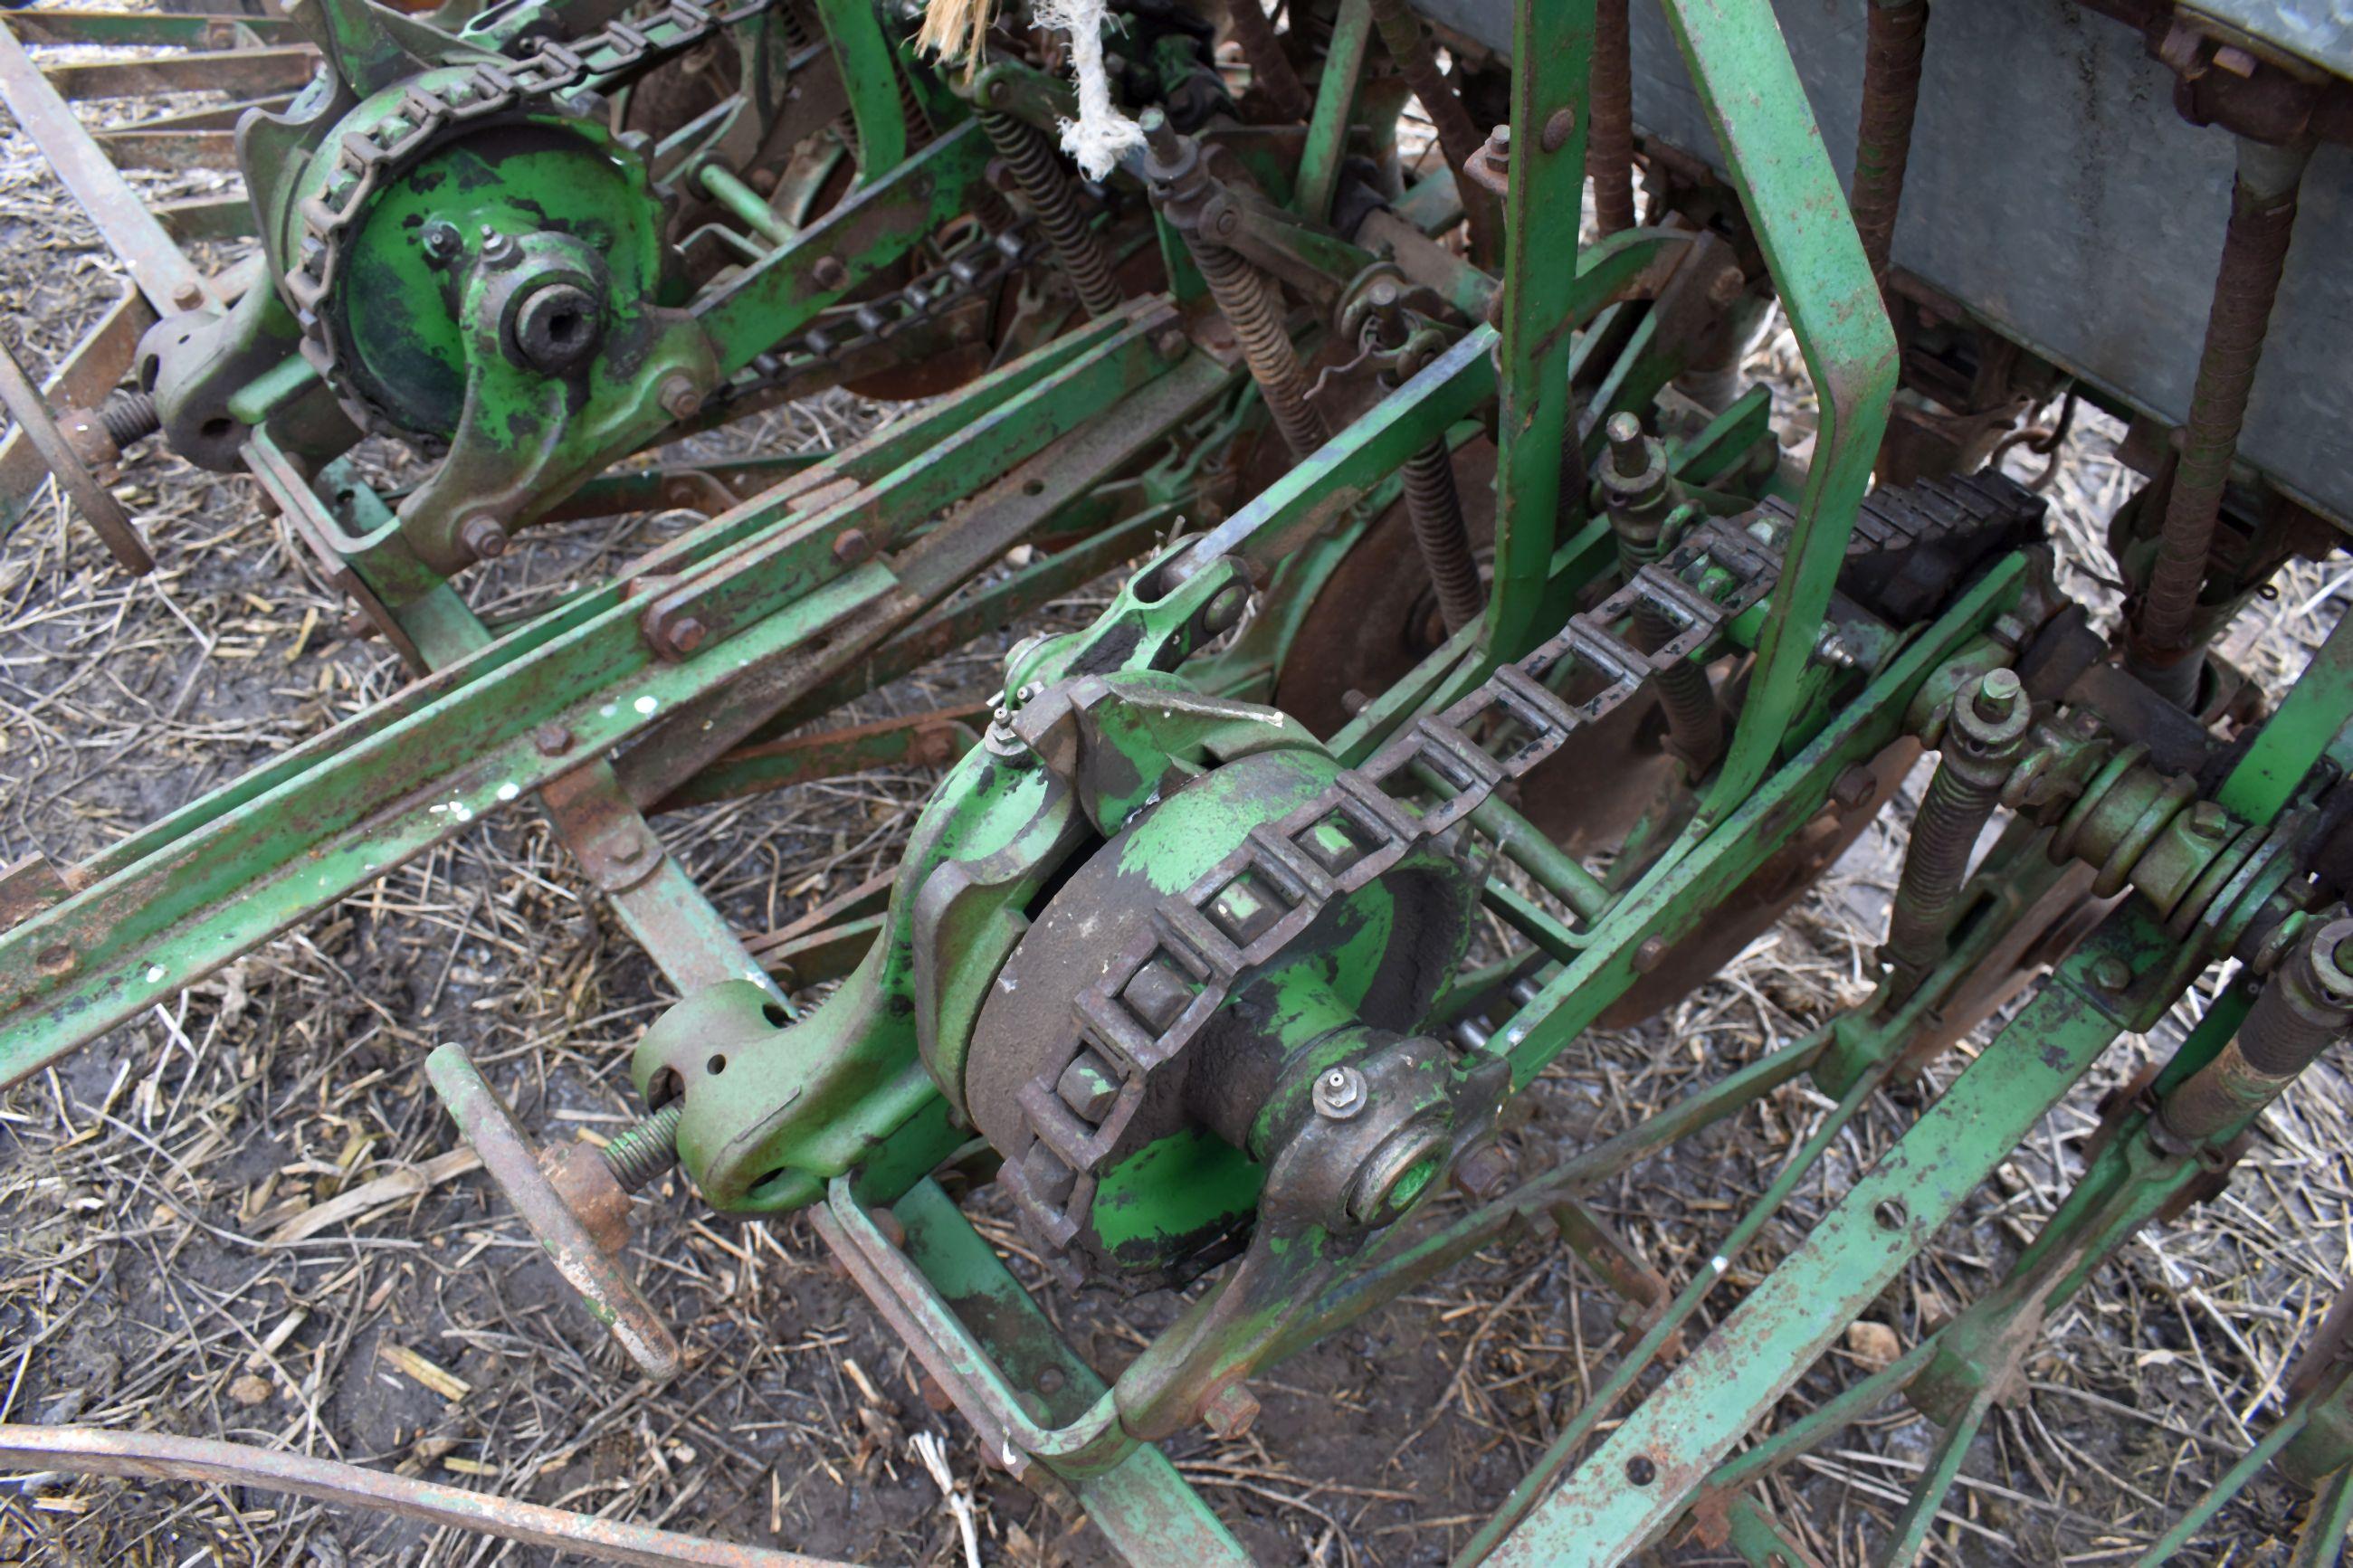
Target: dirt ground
(242, 1216)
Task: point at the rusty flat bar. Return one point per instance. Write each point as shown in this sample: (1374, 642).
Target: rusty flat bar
(82, 380)
(168, 278)
(245, 72)
(157, 1456)
(135, 27)
(93, 501)
(199, 148)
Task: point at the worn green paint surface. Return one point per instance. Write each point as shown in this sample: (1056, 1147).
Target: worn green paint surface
(1749, 85)
(1553, 46)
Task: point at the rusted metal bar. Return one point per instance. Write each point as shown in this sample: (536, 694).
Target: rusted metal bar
(168, 278)
(94, 501)
(194, 149)
(245, 72)
(1610, 133)
(159, 1456)
(82, 380)
(1458, 139)
(1270, 66)
(2162, 648)
(1894, 41)
(2305, 1007)
(582, 1250)
(915, 739)
(208, 217)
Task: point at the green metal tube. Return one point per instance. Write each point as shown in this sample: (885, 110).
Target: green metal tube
(746, 205)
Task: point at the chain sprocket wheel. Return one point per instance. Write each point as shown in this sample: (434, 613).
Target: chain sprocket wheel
(421, 182)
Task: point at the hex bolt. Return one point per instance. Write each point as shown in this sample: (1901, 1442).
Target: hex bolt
(852, 548)
(686, 633)
(828, 274)
(551, 740)
(1231, 1412)
(2111, 974)
(1650, 954)
(679, 400)
(1854, 786)
(2208, 820)
(499, 250)
(1049, 1380)
(485, 536)
(441, 242)
(189, 295)
(1997, 693)
(1340, 1093)
(1485, 1174)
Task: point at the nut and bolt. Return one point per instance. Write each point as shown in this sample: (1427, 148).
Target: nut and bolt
(1997, 694)
(1049, 1380)
(1726, 286)
(1485, 1174)
(1497, 154)
(499, 250)
(1230, 1413)
(1832, 650)
(2209, 822)
(2111, 974)
(686, 633)
(852, 548)
(1629, 455)
(441, 242)
(1854, 786)
(1650, 954)
(485, 536)
(1340, 1093)
(829, 273)
(552, 740)
(679, 400)
(1169, 343)
(189, 295)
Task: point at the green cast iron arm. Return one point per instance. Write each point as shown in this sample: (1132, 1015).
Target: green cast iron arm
(1759, 111)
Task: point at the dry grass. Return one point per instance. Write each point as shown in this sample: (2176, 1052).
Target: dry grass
(157, 1268)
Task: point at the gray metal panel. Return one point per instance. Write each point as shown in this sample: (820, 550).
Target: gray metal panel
(2054, 191)
(2319, 30)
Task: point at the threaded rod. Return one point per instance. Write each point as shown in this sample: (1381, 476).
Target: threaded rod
(2163, 652)
(1270, 66)
(127, 417)
(1609, 145)
(1895, 40)
(642, 1152)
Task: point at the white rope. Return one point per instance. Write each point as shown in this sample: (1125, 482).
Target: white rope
(1101, 133)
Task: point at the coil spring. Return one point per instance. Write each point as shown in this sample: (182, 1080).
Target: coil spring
(1434, 506)
(1952, 813)
(1046, 183)
(1241, 294)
